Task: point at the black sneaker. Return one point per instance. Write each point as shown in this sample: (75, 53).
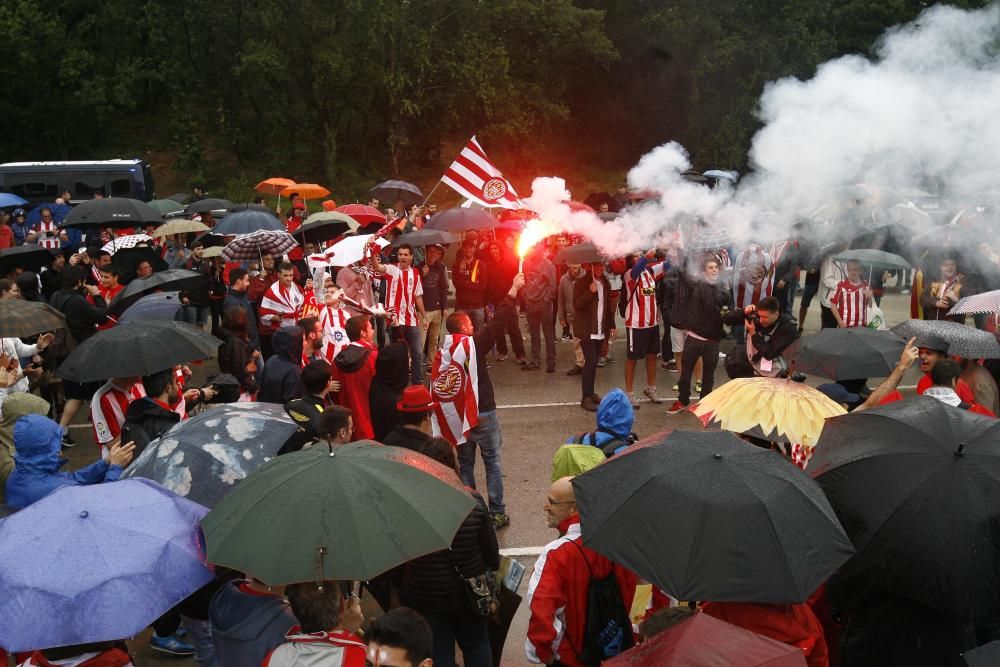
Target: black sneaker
(576, 370)
(68, 442)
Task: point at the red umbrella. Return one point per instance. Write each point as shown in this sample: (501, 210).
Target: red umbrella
(704, 640)
(365, 215)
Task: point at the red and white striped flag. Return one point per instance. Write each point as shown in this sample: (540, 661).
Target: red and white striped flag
(455, 387)
(475, 177)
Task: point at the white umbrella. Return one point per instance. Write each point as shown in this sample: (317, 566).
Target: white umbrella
(130, 241)
(350, 250)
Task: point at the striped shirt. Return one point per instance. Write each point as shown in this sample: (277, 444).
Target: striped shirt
(851, 303)
(48, 235)
(401, 297)
(334, 323)
(641, 312)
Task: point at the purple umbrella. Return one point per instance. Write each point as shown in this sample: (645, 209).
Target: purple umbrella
(96, 563)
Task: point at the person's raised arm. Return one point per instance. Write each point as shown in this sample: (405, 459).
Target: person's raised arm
(907, 358)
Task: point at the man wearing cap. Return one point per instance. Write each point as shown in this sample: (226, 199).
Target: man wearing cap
(933, 349)
(414, 409)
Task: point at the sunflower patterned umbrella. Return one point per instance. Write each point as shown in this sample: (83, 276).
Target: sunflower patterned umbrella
(775, 409)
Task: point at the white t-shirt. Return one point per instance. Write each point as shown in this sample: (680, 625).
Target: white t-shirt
(600, 312)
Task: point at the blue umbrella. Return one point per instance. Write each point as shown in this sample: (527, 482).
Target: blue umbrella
(96, 563)
(59, 213)
(157, 306)
(248, 221)
(205, 457)
(7, 199)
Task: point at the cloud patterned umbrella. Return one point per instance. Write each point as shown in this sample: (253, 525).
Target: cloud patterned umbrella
(205, 457)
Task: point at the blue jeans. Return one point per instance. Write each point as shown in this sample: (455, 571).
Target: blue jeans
(201, 639)
(412, 336)
(486, 435)
(194, 314)
(470, 633)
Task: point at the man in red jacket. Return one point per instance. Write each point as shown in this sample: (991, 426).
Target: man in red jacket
(557, 592)
(354, 368)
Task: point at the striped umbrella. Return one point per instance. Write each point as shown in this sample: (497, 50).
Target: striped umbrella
(987, 302)
(19, 319)
(252, 246)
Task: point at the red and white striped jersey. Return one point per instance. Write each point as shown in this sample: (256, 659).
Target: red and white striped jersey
(401, 296)
(48, 235)
(753, 276)
(107, 411)
(641, 311)
(850, 302)
(334, 322)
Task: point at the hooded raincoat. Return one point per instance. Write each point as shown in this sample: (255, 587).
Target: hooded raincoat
(392, 374)
(280, 380)
(17, 405)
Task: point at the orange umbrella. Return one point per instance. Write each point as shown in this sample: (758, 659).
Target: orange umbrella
(273, 186)
(306, 190)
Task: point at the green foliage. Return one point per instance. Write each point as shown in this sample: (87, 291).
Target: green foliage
(347, 92)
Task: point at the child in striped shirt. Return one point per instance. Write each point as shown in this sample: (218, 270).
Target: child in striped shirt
(851, 298)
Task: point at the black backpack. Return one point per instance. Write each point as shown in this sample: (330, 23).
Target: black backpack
(608, 631)
(608, 447)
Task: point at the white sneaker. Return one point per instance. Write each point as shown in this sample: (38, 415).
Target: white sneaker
(650, 393)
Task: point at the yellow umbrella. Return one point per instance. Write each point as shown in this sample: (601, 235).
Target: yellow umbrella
(179, 227)
(779, 409)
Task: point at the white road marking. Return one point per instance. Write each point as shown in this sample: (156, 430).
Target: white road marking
(521, 551)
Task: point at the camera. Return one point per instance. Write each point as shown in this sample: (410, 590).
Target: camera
(752, 317)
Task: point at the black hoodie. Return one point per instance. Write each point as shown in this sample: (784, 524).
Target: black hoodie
(146, 420)
(392, 374)
(280, 379)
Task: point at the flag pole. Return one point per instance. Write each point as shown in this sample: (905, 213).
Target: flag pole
(433, 190)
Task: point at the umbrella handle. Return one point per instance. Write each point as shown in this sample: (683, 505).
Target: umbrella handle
(320, 552)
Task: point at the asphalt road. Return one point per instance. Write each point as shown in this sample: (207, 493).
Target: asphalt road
(537, 412)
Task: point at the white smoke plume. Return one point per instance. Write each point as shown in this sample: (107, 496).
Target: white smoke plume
(920, 116)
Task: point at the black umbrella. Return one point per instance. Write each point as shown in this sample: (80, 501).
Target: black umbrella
(116, 212)
(987, 655)
(916, 484)
(156, 306)
(20, 319)
(207, 206)
(393, 191)
(127, 259)
(581, 253)
(175, 279)
(706, 516)
(848, 354)
(181, 197)
(963, 341)
(461, 219)
(424, 237)
(248, 222)
(135, 349)
(322, 230)
(29, 257)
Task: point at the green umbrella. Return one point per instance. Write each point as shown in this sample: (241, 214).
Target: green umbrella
(349, 512)
(166, 206)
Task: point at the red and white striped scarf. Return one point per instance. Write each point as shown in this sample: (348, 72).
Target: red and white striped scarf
(287, 304)
(455, 387)
(334, 323)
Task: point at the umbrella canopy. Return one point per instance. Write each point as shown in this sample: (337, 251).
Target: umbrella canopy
(175, 279)
(306, 190)
(706, 516)
(320, 227)
(581, 253)
(393, 191)
(116, 212)
(363, 214)
(247, 222)
(874, 258)
(122, 242)
(351, 513)
(708, 239)
(987, 655)
(207, 206)
(136, 349)
(424, 237)
(848, 354)
(134, 549)
(20, 319)
(987, 302)
(916, 485)
(705, 640)
(350, 250)
(252, 246)
(775, 409)
(180, 227)
(59, 213)
(212, 251)
(181, 197)
(963, 341)
(273, 185)
(167, 206)
(461, 219)
(126, 259)
(156, 306)
(29, 257)
(205, 457)
(8, 199)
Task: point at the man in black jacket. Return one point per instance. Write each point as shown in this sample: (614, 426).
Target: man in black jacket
(316, 379)
(150, 417)
(710, 305)
(769, 333)
(280, 380)
(414, 410)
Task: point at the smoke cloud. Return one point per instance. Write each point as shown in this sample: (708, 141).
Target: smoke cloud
(920, 116)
